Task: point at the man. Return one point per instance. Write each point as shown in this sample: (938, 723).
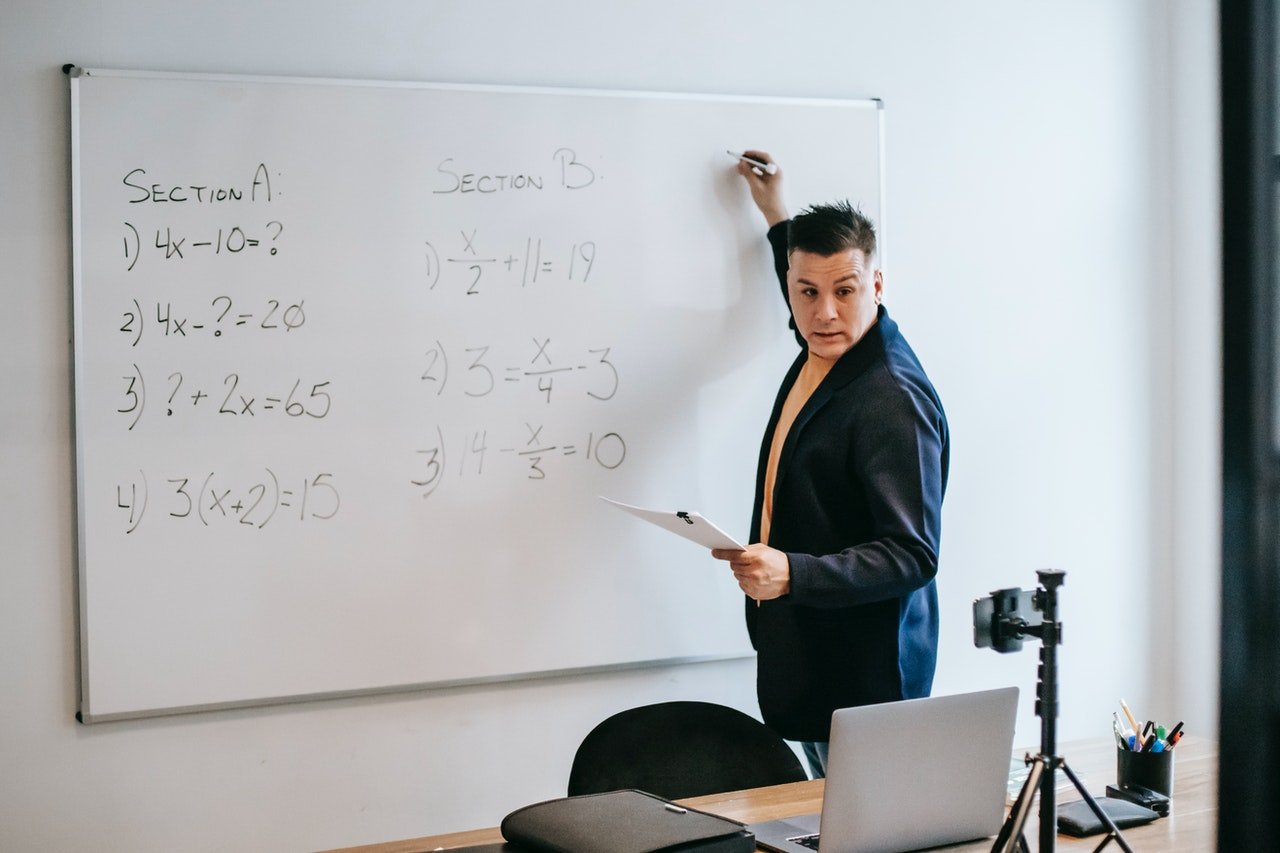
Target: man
(842, 607)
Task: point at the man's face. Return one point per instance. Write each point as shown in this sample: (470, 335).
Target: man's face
(833, 298)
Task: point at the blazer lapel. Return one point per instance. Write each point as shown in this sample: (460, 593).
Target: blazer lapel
(851, 365)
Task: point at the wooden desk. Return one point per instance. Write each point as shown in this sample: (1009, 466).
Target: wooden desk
(1191, 826)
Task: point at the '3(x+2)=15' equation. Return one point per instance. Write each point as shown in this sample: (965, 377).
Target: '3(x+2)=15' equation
(210, 500)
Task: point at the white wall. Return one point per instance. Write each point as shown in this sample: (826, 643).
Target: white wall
(1195, 368)
(1051, 163)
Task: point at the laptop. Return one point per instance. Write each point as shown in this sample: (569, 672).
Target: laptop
(908, 775)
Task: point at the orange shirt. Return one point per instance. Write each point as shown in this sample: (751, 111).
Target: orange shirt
(815, 369)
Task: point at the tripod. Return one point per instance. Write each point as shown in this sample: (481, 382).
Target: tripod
(1007, 630)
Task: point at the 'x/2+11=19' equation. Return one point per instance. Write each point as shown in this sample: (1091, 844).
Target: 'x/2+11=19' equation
(522, 266)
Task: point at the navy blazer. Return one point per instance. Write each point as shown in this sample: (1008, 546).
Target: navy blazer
(857, 509)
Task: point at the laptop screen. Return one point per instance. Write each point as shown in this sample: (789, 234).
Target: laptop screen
(908, 775)
(918, 773)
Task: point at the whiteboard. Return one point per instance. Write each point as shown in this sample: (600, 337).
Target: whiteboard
(354, 361)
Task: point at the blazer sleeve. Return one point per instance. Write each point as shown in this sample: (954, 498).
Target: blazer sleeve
(778, 242)
(900, 465)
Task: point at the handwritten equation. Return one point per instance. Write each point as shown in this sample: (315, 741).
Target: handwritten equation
(254, 187)
(529, 366)
(222, 315)
(236, 401)
(171, 245)
(532, 370)
(476, 453)
(213, 498)
(473, 264)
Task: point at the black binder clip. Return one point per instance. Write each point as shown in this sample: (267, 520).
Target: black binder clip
(685, 516)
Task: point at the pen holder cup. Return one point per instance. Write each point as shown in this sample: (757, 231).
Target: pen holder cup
(1152, 770)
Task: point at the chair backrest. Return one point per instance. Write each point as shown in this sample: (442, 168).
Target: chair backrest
(682, 749)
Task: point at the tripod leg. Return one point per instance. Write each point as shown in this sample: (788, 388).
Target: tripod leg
(1114, 832)
(1011, 838)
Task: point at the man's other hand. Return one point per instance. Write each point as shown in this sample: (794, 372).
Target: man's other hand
(763, 573)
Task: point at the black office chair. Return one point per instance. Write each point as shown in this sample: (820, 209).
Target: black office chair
(682, 749)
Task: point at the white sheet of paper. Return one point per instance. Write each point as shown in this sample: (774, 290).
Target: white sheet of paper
(689, 525)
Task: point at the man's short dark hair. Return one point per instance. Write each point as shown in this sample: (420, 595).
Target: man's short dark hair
(827, 229)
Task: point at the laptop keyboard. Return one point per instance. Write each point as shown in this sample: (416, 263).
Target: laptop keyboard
(809, 841)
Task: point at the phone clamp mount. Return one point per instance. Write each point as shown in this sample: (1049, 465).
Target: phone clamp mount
(1002, 621)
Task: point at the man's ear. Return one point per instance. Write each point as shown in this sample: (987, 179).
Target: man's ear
(878, 284)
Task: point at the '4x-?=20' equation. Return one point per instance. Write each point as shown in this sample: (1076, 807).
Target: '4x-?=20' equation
(268, 315)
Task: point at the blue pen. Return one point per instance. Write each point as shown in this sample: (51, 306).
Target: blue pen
(1159, 746)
